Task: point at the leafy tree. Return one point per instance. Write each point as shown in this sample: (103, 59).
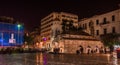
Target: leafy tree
(67, 25)
(110, 39)
(28, 39)
(71, 24)
(7, 19)
(64, 25)
(36, 35)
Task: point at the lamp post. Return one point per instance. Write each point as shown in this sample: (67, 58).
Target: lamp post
(18, 26)
(2, 39)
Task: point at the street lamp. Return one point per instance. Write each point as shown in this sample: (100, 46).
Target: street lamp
(18, 26)
(1, 39)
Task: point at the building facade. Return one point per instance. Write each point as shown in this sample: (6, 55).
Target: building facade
(74, 40)
(100, 26)
(61, 31)
(11, 34)
(53, 23)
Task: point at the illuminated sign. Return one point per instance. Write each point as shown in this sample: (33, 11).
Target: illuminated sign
(12, 39)
(11, 34)
(44, 39)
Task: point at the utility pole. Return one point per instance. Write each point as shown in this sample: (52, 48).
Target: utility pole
(2, 38)
(19, 26)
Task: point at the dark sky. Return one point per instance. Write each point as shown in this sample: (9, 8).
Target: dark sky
(31, 12)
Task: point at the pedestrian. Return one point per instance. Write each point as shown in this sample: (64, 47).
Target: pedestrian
(81, 49)
(88, 50)
(97, 49)
(77, 51)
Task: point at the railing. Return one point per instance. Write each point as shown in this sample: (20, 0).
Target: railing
(107, 22)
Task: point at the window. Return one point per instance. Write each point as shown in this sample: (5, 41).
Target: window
(97, 22)
(113, 29)
(113, 18)
(63, 15)
(83, 25)
(105, 31)
(89, 24)
(97, 32)
(104, 21)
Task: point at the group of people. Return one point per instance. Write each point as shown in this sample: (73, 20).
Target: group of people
(95, 49)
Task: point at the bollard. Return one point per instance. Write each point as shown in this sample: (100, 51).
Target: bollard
(115, 61)
(114, 55)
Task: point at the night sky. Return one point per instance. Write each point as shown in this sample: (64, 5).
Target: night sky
(31, 12)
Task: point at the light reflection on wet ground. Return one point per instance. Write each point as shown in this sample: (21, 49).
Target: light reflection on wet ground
(61, 59)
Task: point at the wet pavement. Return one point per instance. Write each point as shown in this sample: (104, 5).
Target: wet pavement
(57, 59)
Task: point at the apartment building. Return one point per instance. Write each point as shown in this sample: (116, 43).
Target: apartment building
(102, 25)
(53, 22)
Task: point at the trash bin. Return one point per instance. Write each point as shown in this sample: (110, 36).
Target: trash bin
(118, 53)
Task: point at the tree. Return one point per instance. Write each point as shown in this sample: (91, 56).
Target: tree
(91, 26)
(64, 25)
(28, 39)
(35, 34)
(67, 25)
(71, 24)
(110, 39)
(7, 19)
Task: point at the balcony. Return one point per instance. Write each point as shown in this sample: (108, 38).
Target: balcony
(104, 22)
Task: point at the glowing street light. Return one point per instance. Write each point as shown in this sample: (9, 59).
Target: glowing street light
(1, 39)
(18, 26)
